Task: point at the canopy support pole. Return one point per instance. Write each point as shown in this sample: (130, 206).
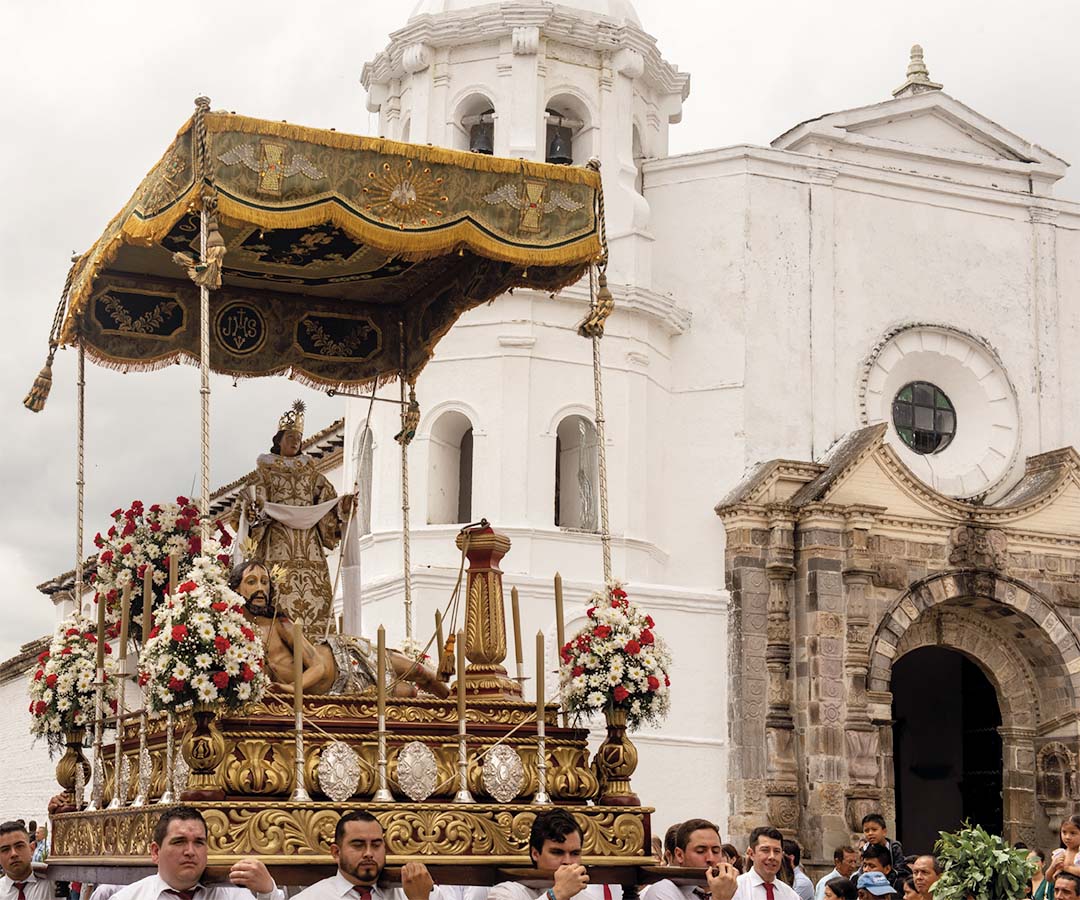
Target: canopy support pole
(204, 375)
(404, 438)
(601, 455)
(80, 479)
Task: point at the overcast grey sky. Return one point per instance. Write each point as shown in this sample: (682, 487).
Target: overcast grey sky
(95, 92)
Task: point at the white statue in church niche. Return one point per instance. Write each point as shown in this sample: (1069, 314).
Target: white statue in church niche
(586, 455)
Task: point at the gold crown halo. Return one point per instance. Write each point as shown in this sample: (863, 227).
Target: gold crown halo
(293, 418)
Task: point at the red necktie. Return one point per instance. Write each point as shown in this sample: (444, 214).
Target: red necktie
(364, 892)
(20, 885)
(769, 888)
(607, 892)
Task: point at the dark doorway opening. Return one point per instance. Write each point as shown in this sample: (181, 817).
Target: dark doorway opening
(946, 747)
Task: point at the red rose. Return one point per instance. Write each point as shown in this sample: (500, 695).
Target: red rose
(219, 606)
(649, 622)
(66, 651)
(144, 677)
(248, 634)
(118, 512)
(129, 529)
(69, 633)
(99, 541)
(106, 557)
(112, 705)
(179, 632)
(618, 594)
(141, 571)
(183, 524)
(187, 586)
(224, 539)
(246, 672)
(40, 707)
(108, 649)
(92, 577)
(112, 531)
(50, 680)
(156, 508)
(237, 608)
(39, 674)
(223, 558)
(620, 693)
(667, 681)
(91, 637)
(155, 527)
(44, 654)
(654, 683)
(182, 501)
(565, 653)
(191, 512)
(591, 612)
(195, 546)
(633, 648)
(577, 670)
(154, 632)
(221, 679)
(221, 643)
(126, 549)
(602, 631)
(111, 596)
(176, 684)
(646, 637)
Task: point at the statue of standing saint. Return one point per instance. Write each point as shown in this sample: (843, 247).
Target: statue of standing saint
(295, 517)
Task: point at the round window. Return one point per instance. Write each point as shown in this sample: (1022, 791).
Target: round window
(924, 417)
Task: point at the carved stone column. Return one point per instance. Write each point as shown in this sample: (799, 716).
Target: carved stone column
(1018, 784)
(782, 784)
(485, 615)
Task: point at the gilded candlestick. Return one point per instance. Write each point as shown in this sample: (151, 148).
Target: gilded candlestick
(541, 746)
(299, 794)
(463, 794)
(170, 736)
(382, 795)
(519, 659)
(121, 684)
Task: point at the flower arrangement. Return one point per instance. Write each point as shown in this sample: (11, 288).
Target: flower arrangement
(141, 536)
(617, 662)
(61, 685)
(202, 650)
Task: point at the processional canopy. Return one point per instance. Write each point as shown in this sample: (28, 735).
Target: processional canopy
(344, 256)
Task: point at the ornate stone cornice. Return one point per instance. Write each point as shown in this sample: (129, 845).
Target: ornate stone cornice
(630, 298)
(566, 26)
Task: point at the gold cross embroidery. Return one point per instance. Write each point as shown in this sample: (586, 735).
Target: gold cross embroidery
(271, 168)
(532, 205)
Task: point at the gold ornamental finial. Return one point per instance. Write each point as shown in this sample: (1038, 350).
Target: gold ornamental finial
(918, 76)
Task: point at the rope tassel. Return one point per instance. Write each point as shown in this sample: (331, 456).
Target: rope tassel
(39, 391)
(446, 659)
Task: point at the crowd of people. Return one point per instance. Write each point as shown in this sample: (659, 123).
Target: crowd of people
(770, 868)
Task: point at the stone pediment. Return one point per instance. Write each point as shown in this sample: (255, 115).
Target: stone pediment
(864, 471)
(930, 126)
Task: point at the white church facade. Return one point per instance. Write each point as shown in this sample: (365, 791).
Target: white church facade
(838, 407)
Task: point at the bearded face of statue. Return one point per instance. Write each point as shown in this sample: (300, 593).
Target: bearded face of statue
(254, 586)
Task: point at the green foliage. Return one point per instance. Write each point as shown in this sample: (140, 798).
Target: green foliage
(980, 865)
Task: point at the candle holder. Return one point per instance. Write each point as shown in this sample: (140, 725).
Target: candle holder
(463, 794)
(143, 794)
(118, 742)
(542, 796)
(97, 789)
(382, 795)
(300, 794)
(170, 729)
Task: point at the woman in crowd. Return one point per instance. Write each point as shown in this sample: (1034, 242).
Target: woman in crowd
(841, 889)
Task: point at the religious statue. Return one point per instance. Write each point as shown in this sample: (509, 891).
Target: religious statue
(340, 664)
(293, 515)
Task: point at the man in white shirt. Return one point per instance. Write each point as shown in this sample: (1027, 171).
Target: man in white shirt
(802, 884)
(178, 849)
(845, 862)
(698, 846)
(765, 854)
(555, 849)
(359, 849)
(19, 881)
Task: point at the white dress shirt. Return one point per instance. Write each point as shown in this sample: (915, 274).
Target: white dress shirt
(154, 887)
(819, 891)
(535, 890)
(752, 887)
(668, 890)
(338, 887)
(803, 886)
(35, 888)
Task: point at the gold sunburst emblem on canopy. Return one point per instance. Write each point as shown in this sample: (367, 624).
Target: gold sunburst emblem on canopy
(409, 195)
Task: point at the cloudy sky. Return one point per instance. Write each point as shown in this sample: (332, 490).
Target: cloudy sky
(95, 92)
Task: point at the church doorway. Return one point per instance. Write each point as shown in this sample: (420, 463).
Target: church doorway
(947, 749)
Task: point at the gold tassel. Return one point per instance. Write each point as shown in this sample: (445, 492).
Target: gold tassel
(39, 391)
(446, 660)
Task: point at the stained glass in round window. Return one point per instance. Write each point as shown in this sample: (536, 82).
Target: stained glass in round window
(924, 417)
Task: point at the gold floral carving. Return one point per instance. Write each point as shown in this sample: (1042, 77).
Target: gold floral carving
(259, 768)
(271, 832)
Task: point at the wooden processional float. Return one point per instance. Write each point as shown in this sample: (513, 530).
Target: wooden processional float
(256, 248)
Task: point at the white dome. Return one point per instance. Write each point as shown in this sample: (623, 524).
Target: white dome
(619, 10)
